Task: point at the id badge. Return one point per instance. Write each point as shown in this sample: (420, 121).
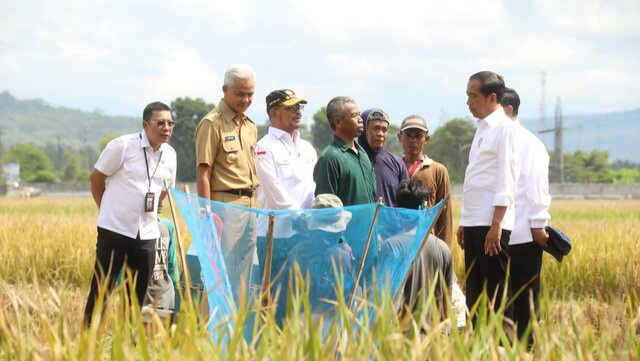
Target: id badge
(149, 201)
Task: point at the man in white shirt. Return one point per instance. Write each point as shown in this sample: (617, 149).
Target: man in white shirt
(531, 216)
(127, 184)
(285, 170)
(487, 214)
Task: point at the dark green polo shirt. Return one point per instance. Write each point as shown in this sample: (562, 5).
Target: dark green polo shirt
(348, 175)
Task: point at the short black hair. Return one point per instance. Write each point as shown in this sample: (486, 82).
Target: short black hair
(153, 107)
(512, 98)
(411, 194)
(490, 83)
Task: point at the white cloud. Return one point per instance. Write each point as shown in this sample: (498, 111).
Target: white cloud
(592, 17)
(413, 55)
(180, 72)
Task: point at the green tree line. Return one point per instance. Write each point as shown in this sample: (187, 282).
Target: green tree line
(449, 145)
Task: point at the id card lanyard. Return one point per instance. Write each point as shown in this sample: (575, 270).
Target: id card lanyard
(149, 199)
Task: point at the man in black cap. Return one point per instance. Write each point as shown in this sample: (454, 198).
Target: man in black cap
(285, 169)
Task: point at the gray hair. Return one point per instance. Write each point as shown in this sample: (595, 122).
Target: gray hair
(241, 71)
(335, 108)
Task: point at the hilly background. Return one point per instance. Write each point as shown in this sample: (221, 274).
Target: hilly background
(38, 123)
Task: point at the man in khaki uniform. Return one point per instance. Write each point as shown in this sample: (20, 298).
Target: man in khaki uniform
(226, 170)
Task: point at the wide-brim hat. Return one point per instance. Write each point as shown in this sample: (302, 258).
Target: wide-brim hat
(558, 245)
(327, 214)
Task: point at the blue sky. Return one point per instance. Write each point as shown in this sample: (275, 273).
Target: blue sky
(406, 57)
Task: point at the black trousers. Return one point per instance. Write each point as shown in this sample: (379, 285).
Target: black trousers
(113, 251)
(526, 263)
(484, 270)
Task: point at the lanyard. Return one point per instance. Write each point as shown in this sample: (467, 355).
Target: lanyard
(146, 163)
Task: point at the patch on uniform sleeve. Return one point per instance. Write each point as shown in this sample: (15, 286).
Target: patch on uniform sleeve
(229, 138)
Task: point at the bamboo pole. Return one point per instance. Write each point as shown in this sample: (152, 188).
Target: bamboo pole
(266, 277)
(364, 254)
(183, 260)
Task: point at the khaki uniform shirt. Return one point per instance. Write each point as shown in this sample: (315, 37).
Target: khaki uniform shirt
(227, 144)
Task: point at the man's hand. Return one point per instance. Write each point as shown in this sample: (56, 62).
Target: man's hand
(540, 236)
(492, 241)
(460, 236)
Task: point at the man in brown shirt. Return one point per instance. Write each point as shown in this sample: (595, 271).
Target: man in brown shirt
(226, 170)
(413, 135)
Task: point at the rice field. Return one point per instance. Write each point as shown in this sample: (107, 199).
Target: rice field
(589, 309)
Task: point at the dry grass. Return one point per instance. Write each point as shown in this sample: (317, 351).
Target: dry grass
(590, 305)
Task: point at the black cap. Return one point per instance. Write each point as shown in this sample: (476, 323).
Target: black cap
(283, 98)
(558, 244)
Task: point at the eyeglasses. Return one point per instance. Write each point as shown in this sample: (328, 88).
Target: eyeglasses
(295, 108)
(162, 123)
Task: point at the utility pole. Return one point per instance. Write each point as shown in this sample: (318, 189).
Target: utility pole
(543, 106)
(557, 162)
(559, 151)
(1, 144)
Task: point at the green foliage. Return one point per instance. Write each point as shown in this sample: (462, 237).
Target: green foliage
(106, 139)
(450, 146)
(74, 169)
(626, 176)
(583, 167)
(43, 176)
(263, 129)
(392, 145)
(321, 131)
(187, 113)
(36, 122)
(624, 164)
(35, 166)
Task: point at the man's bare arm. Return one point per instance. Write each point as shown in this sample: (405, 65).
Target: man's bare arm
(202, 180)
(98, 185)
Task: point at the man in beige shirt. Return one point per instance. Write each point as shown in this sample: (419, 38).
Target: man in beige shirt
(226, 170)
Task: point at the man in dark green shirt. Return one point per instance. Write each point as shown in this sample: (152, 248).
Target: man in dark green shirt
(343, 167)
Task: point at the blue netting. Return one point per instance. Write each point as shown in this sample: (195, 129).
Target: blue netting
(318, 241)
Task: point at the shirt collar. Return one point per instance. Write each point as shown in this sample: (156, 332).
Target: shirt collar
(426, 161)
(494, 118)
(229, 114)
(339, 143)
(144, 142)
(279, 133)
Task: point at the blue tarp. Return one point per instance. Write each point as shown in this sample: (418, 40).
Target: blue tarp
(232, 253)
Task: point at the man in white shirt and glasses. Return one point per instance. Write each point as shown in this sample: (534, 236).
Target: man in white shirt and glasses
(285, 170)
(487, 214)
(127, 184)
(531, 216)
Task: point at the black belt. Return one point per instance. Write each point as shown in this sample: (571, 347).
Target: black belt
(241, 192)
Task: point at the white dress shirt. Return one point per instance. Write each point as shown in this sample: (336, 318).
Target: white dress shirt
(285, 170)
(122, 209)
(532, 196)
(492, 173)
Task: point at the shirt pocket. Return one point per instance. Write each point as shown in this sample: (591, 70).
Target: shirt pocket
(135, 167)
(230, 142)
(285, 166)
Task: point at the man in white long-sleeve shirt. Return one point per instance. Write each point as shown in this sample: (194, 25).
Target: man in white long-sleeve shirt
(487, 214)
(285, 169)
(532, 214)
